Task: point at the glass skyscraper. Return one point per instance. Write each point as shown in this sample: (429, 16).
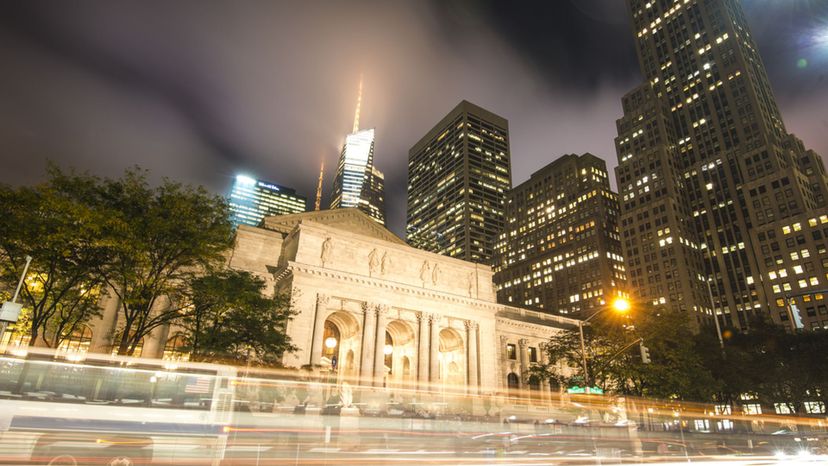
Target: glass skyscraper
(357, 183)
(252, 200)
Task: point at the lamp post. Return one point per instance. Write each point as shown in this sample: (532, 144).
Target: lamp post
(619, 305)
(11, 310)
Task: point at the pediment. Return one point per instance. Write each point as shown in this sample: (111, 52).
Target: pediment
(351, 220)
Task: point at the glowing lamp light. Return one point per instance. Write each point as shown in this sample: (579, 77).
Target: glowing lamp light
(621, 305)
(388, 349)
(330, 342)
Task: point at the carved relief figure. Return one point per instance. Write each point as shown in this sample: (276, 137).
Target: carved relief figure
(472, 280)
(373, 261)
(424, 272)
(385, 264)
(327, 246)
(435, 274)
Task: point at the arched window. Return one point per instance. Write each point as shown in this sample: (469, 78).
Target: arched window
(77, 345)
(513, 381)
(176, 349)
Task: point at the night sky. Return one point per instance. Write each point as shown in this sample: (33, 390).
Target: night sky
(202, 90)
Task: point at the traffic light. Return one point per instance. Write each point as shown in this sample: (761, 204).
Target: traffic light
(645, 354)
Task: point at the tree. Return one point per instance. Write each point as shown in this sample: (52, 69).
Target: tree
(159, 238)
(230, 319)
(775, 366)
(54, 223)
(676, 371)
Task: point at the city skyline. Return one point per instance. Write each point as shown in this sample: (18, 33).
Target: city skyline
(201, 113)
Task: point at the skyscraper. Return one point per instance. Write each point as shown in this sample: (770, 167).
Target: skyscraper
(718, 200)
(458, 176)
(560, 251)
(252, 200)
(357, 181)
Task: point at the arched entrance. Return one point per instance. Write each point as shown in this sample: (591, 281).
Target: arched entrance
(340, 344)
(452, 358)
(400, 349)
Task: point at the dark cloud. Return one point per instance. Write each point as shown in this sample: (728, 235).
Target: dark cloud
(200, 90)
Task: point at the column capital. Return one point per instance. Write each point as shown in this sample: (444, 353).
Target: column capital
(434, 318)
(322, 299)
(382, 309)
(471, 325)
(421, 316)
(504, 340)
(523, 342)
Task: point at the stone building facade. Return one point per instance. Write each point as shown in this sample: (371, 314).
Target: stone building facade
(375, 309)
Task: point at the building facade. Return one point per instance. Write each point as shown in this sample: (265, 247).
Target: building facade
(252, 200)
(458, 177)
(373, 308)
(722, 209)
(561, 251)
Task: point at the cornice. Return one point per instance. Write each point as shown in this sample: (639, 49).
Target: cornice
(295, 267)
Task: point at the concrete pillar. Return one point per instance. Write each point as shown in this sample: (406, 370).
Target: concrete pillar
(422, 349)
(524, 359)
(471, 338)
(318, 329)
(434, 369)
(379, 345)
(369, 331)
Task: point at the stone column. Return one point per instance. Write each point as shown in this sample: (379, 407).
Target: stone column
(103, 328)
(369, 331)
(379, 345)
(434, 368)
(318, 329)
(543, 359)
(503, 367)
(524, 358)
(422, 349)
(471, 338)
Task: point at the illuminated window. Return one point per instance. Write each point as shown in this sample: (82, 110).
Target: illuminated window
(511, 351)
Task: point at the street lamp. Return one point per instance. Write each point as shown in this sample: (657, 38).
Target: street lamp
(11, 309)
(619, 305)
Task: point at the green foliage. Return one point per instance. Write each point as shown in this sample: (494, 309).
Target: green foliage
(159, 238)
(677, 371)
(775, 365)
(230, 319)
(55, 223)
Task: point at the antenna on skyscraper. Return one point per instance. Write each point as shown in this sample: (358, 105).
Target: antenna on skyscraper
(319, 188)
(359, 104)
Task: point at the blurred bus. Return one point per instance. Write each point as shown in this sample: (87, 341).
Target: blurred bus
(112, 410)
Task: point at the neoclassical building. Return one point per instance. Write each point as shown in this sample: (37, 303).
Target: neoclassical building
(372, 308)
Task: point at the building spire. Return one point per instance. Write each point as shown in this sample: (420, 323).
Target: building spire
(359, 104)
(319, 187)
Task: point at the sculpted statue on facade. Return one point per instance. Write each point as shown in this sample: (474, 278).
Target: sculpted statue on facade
(424, 272)
(385, 263)
(327, 247)
(373, 262)
(435, 274)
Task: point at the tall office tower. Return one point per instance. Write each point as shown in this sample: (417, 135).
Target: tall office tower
(458, 176)
(723, 211)
(560, 251)
(252, 200)
(357, 183)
